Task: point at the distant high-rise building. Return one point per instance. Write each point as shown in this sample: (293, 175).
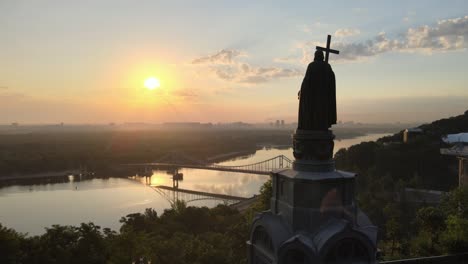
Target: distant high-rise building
(282, 123)
(277, 123)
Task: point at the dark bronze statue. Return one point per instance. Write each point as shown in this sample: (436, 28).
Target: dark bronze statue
(317, 97)
(313, 141)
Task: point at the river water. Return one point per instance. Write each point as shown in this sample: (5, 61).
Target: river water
(31, 208)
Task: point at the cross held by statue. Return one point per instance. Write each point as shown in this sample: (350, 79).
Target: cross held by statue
(327, 49)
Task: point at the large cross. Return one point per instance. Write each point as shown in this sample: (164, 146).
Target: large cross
(327, 49)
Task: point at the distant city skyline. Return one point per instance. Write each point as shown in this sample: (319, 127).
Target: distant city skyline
(224, 61)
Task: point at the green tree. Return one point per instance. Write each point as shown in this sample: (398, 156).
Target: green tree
(431, 222)
(456, 202)
(57, 243)
(393, 227)
(90, 246)
(266, 192)
(455, 237)
(10, 245)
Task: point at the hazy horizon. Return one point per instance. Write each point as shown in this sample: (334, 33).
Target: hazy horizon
(86, 62)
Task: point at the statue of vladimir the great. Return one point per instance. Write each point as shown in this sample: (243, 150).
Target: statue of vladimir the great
(317, 97)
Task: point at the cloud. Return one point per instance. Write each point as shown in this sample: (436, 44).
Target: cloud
(446, 35)
(225, 65)
(8, 97)
(261, 75)
(289, 59)
(255, 75)
(3, 87)
(347, 32)
(186, 93)
(310, 28)
(224, 56)
(225, 73)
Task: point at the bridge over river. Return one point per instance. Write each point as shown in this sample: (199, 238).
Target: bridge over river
(173, 194)
(179, 160)
(174, 161)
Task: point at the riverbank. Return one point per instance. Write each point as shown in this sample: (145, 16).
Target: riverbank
(47, 174)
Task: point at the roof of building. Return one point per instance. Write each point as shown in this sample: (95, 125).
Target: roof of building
(456, 138)
(458, 150)
(414, 130)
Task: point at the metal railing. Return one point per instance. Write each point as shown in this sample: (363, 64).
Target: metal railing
(455, 259)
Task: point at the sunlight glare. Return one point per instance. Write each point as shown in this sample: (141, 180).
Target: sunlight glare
(152, 83)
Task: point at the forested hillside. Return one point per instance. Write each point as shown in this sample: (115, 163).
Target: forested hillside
(415, 164)
(387, 166)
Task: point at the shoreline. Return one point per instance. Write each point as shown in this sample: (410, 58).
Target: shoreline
(39, 175)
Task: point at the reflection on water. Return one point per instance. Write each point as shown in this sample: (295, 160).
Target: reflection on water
(102, 201)
(71, 201)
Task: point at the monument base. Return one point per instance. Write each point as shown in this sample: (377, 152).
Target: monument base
(313, 150)
(313, 219)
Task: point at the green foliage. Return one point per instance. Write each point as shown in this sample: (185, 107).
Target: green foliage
(139, 222)
(443, 230)
(455, 237)
(430, 219)
(393, 227)
(387, 167)
(266, 192)
(421, 245)
(180, 235)
(431, 222)
(10, 245)
(456, 202)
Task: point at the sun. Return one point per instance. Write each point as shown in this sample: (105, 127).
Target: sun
(152, 83)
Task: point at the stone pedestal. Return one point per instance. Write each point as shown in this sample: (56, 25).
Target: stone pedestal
(313, 217)
(313, 150)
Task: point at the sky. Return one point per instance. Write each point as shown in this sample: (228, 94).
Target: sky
(224, 61)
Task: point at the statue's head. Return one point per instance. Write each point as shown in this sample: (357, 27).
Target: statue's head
(318, 56)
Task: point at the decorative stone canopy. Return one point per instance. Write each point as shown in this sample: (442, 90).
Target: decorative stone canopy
(313, 219)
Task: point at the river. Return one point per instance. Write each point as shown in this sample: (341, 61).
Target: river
(31, 208)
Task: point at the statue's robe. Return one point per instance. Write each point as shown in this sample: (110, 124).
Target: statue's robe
(317, 102)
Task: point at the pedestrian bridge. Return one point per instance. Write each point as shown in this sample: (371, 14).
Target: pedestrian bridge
(178, 160)
(173, 194)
